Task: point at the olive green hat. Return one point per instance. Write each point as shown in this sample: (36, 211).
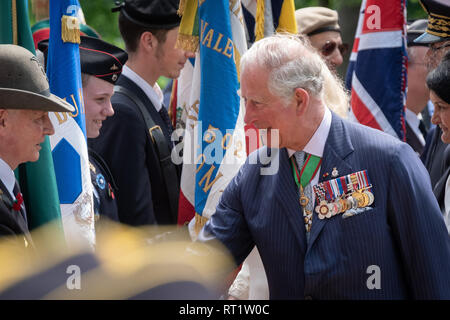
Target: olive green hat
(23, 83)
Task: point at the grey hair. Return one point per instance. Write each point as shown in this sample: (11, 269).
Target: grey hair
(283, 56)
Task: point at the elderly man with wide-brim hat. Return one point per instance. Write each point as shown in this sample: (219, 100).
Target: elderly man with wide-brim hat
(25, 101)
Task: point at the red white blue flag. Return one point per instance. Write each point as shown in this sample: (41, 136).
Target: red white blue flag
(376, 74)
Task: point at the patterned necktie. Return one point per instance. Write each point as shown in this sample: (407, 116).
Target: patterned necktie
(308, 208)
(165, 116)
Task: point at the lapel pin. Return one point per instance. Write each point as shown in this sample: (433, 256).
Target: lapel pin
(325, 175)
(334, 173)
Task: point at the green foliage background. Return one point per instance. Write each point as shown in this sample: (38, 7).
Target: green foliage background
(99, 16)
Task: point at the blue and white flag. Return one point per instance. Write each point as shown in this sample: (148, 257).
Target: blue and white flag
(68, 144)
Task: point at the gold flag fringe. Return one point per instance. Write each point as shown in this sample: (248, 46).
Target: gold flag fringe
(199, 223)
(181, 7)
(70, 29)
(187, 42)
(259, 25)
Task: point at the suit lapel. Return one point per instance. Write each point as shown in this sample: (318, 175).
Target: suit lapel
(337, 148)
(18, 216)
(288, 197)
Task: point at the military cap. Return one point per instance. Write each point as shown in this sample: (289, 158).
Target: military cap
(157, 14)
(24, 84)
(313, 20)
(415, 29)
(98, 58)
(438, 28)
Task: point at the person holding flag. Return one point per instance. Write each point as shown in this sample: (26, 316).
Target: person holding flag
(24, 124)
(340, 218)
(101, 65)
(136, 142)
(69, 145)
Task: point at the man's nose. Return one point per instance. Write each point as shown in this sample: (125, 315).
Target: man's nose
(189, 54)
(336, 58)
(48, 126)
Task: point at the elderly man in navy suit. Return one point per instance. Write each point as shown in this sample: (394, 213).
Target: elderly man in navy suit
(349, 214)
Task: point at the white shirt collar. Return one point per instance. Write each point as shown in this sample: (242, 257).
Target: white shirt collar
(7, 177)
(316, 144)
(153, 93)
(414, 121)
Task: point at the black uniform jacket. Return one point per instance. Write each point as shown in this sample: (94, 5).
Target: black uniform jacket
(126, 146)
(12, 222)
(105, 203)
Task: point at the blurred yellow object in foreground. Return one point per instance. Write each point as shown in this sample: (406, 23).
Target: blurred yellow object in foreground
(129, 263)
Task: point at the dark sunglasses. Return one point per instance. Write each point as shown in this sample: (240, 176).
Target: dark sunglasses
(330, 46)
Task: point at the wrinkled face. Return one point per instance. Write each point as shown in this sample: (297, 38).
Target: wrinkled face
(441, 116)
(170, 59)
(265, 110)
(23, 131)
(323, 42)
(97, 95)
(435, 53)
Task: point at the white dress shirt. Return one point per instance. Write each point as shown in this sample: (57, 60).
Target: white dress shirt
(7, 177)
(414, 121)
(154, 93)
(447, 204)
(316, 144)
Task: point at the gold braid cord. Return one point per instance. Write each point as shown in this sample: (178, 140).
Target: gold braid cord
(187, 42)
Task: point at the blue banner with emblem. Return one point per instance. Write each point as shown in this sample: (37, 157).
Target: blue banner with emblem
(220, 155)
(69, 146)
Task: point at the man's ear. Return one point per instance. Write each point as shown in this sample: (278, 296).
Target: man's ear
(301, 97)
(148, 41)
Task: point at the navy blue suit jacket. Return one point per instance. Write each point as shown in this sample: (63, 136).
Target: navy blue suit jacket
(126, 146)
(403, 234)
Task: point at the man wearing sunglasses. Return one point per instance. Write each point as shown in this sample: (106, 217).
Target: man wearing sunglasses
(321, 26)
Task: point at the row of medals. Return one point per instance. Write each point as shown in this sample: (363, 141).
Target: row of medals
(358, 199)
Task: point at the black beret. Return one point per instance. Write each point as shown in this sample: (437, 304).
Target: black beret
(97, 57)
(157, 14)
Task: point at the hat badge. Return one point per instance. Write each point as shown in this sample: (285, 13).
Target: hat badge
(114, 77)
(114, 67)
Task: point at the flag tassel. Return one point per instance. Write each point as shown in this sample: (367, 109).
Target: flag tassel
(70, 29)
